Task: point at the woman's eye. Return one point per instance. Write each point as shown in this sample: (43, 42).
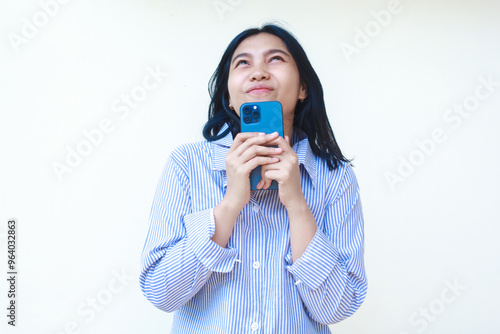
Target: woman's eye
(241, 62)
(276, 58)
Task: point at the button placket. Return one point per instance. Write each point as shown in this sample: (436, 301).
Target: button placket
(256, 265)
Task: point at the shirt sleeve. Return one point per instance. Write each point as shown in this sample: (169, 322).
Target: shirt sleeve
(179, 256)
(330, 274)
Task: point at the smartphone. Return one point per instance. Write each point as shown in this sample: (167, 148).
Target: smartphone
(264, 117)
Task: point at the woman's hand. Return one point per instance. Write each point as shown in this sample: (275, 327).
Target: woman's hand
(286, 172)
(248, 151)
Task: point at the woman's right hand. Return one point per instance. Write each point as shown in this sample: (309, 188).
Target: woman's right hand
(246, 153)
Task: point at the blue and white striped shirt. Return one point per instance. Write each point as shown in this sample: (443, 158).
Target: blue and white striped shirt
(252, 286)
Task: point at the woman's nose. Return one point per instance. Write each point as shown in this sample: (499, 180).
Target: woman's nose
(260, 72)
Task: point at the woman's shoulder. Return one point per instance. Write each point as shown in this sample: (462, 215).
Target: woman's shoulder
(341, 170)
(338, 178)
(183, 153)
(191, 147)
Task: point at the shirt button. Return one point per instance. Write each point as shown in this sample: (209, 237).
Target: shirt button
(255, 208)
(256, 265)
(255, 326)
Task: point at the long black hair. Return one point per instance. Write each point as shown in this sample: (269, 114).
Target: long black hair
(310, 116)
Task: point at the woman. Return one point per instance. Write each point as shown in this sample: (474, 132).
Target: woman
(232, 260)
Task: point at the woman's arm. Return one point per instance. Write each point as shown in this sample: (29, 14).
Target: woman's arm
(330, 273)
(178, 256)
(303, 228)
(287, 173)
(327, 264)
(183, 247)
(246, 153)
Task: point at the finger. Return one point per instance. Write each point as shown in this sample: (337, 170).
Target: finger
(242, 137)
(255, 150)
(283, 144)
(267, 183)
(273, 175)
(261, 140)
(264, 182)
(265, 179)
(253, 157)
(259, 161)
(244, 170)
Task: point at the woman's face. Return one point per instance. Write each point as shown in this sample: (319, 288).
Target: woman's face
(262, 69)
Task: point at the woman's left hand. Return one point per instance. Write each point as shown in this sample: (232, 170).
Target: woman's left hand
(286, 172)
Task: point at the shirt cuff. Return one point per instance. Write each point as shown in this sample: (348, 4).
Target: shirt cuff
(200, 228)
(316, 263)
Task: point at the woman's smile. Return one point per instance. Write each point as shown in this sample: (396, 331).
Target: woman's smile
(259, 89)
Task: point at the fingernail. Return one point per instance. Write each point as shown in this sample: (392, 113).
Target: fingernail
(262, 134)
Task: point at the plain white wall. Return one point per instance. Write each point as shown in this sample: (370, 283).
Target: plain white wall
(393, 101)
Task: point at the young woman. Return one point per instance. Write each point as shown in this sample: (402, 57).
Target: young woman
(232, 260)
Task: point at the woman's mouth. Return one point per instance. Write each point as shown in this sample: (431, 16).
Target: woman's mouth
(259, 89)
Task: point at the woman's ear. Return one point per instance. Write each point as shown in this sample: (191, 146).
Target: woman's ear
(302, 91)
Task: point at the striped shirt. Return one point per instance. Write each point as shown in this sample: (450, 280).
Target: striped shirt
(251, 285)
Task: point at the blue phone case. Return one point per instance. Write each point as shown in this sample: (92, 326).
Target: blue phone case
(264, 117)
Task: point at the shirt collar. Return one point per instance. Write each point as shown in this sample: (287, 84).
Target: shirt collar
(301, 146)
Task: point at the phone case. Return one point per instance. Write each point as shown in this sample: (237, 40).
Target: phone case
(264, 117)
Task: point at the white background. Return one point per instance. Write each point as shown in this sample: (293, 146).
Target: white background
(434, 227)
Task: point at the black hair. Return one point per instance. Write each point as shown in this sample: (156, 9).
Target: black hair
(310, 116)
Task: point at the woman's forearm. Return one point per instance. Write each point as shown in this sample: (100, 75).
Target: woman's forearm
(225, 214)
(303, 227)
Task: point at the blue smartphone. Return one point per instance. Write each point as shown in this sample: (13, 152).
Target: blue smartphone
(264, 117)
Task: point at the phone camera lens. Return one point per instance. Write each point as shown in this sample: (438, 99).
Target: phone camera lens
(256, 114)
(246, 109)
(247, 119)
